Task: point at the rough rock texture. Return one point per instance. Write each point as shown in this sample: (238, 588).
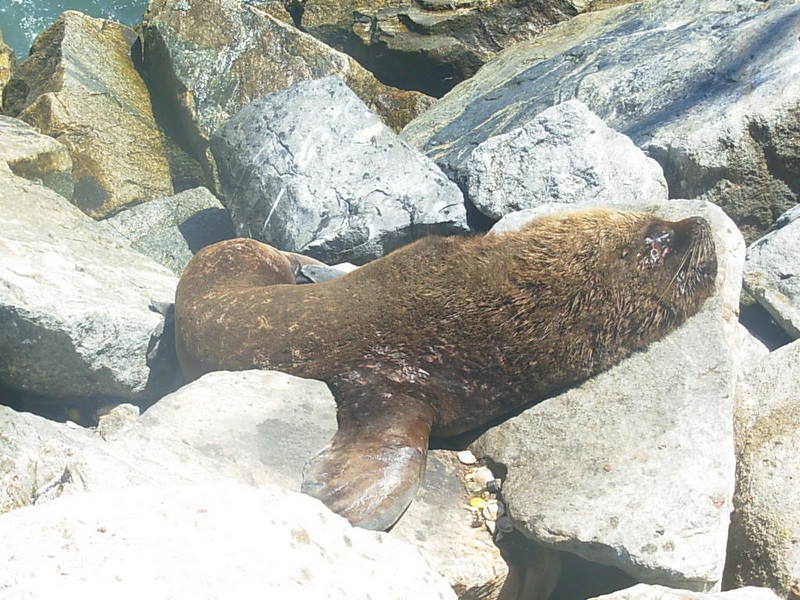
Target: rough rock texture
(310, 169)
(635, 467)
(212, 57)
(79, 85)
(438, 523)
(433, 44)
(657, 592)
(255, 427)
(765, 524)
(566, 154)
(170, 230)
(772, 272)
(8, 62)
(266, 425)
(41, 460)
(74, 317)
(217, 540)
(710, 90)
(34, 156)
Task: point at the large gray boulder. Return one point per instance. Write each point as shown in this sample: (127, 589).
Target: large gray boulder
(710, 90)
(216, 540)
(567, 155)
(74, 316)
(772, 272)
(80, 86)
(765, 524)
(171, 230)
(211, 58)
(310, 169)
(635, 467)
(35, 156)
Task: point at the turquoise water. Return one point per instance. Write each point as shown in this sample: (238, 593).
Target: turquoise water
(22, 20)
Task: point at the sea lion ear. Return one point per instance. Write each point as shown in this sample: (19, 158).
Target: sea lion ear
(370, 471)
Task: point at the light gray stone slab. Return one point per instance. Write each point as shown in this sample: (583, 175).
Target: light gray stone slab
(310, 169)
(635, 467)
(204, 541)
(565, 154)
(74, 302)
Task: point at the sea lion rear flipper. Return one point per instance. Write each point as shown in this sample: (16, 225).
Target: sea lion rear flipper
(370, 471)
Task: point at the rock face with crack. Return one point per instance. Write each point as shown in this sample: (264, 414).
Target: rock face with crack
(635, 467)
(430, 45)
(712, 92)
(310, 169)
(79, 85)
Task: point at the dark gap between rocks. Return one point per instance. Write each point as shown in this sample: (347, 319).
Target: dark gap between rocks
(404, 70)
(85, 412)
(761, 325)
(581, 579)
(165, 89)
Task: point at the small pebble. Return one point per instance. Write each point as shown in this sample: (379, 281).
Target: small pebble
(466, 457)
(483, 476)
(478, 503)
(492, 510)
(494, 486)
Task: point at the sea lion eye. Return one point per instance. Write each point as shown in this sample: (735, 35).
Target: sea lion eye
(657, 245)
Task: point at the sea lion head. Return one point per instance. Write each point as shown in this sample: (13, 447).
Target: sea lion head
(617, 280)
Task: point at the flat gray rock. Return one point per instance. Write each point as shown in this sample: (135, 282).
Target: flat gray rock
(216, 540)
(310, 169)
(171, 230)
(74, 302)
(565, 154)
(772, 272)
(635, 467)
(765, 525)
(708, 89)
(35, 156)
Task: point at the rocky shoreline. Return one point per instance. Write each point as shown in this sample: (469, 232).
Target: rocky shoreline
(124, 151)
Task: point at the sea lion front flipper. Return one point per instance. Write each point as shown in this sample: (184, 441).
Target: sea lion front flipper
(370, 471)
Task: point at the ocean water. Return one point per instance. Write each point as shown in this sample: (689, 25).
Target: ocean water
(22, 20)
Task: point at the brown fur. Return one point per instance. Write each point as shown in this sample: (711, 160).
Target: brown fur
(471, 328)
(522, 313)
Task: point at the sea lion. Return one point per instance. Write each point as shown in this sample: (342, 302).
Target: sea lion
(443, 335)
